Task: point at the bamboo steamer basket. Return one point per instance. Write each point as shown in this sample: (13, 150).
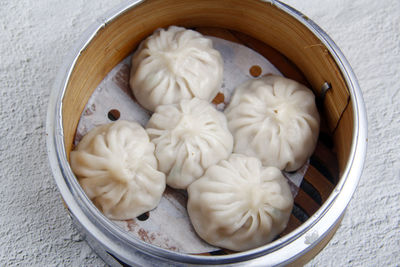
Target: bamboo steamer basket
(289, 40)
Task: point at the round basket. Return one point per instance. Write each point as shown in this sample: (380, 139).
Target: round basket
(288, 39)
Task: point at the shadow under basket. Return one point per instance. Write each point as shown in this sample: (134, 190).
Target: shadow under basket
(291, 42)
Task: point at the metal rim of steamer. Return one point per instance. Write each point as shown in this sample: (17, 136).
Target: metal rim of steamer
(114, 245)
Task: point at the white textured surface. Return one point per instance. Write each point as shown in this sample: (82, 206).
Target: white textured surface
(35, 35)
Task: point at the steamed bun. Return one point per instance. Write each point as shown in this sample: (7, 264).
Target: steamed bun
(189, 137)
(239, 204)
(116, 167)
(175, 64)
(275, 119)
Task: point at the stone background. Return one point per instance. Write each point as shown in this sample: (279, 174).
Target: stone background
(36, 35)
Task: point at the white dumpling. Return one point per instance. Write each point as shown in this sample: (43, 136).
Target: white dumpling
(175, 64)
(275, 119)
(116, 167)
(189, 137)
(239, 204)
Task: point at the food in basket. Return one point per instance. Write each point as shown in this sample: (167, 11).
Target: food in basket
(189, 137)
(239, 204)
(274, 119)
(175, 64)
(236, 201)
(116, 167)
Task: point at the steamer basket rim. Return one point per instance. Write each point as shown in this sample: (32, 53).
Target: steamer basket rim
(281, 251)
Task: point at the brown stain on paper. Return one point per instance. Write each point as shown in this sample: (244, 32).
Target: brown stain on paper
(131, 225)
(219, 98)
(144, 235)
